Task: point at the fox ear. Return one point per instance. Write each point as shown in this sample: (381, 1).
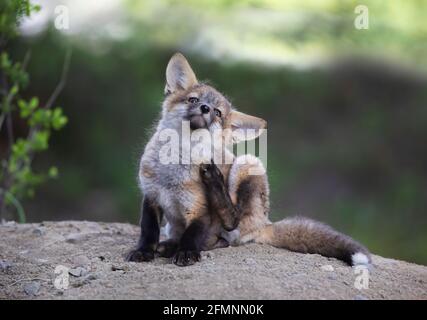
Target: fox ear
(245, 127)
(179, 75)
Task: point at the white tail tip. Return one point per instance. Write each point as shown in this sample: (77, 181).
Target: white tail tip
(359, 258)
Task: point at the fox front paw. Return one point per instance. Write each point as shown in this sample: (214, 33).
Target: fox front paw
(140, 255)
(186, 258)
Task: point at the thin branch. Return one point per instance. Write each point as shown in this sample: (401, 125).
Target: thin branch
(59, 87)
(2, 117)
(9, 126)
(26, 59)
(62, 81)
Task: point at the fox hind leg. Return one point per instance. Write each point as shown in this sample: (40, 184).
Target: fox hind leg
(249, 191)
(218, 197)
(239, 201)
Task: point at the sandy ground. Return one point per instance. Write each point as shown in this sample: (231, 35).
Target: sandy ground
(93, 252)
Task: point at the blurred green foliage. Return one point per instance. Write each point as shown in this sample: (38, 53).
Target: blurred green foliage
(291, 31)
(17, 178)
(11, 12)
(346, 140)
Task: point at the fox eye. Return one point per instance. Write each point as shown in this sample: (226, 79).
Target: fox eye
(218, 113)
(193, 100)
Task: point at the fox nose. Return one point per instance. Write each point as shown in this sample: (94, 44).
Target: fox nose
(204, 108)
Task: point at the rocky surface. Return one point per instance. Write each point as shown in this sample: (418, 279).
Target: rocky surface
(89, 264)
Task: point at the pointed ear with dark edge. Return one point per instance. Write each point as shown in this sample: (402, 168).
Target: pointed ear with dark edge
(245, 127)
(179, 75)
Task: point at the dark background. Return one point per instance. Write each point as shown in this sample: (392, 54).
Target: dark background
(346, 108)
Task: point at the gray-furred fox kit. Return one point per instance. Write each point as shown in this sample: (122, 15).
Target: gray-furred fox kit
(209, 205)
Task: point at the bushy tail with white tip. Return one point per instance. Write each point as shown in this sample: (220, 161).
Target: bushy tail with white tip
(308, 236)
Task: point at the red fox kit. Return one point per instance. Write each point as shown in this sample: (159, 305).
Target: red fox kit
(203, 202)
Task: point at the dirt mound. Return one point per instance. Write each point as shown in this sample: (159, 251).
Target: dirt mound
(89, 264)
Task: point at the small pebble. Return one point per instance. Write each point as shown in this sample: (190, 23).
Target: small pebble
(32, 288)
(249, 261)
(8, 223)
(78, 272)
(84, 280)
(91, 276)
(5, 266)
(327, 267)
(119, 268)
(74, 237)
(39, 231)
(208, 255)
(332, 276)
(42, 261)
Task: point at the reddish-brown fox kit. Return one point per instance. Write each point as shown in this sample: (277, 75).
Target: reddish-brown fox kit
(212, 205)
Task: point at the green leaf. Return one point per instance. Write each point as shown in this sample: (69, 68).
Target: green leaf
(19, 148)
(4, 61)
(34, 103)
(22, 104)
(24, 108)
(53, 172)
(58, 119)
(36, 8)
(41, 117)
(27, 108)
(14, 90)
(40, 141)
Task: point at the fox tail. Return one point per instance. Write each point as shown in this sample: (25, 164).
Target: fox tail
(308, 236)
